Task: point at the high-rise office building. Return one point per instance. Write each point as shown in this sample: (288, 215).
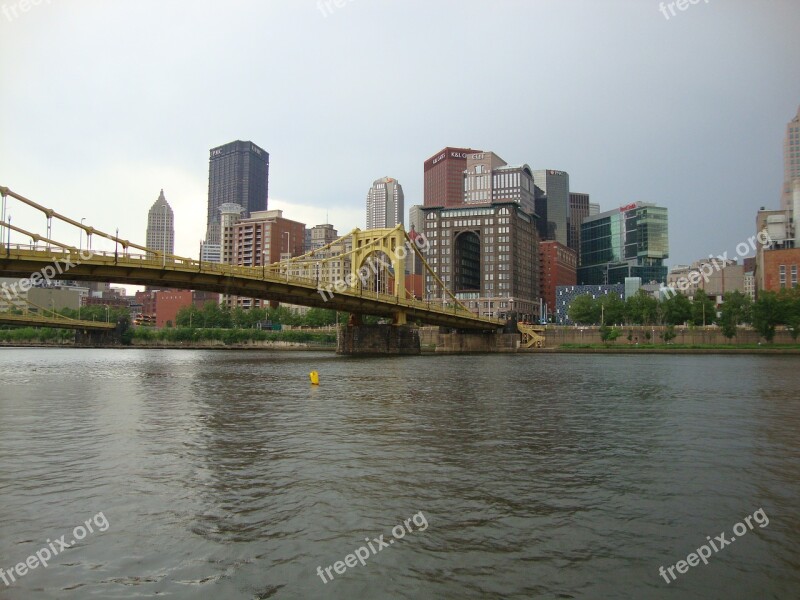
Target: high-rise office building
(578, 211)
(415, 218)
(487, 255)
(791, 162)
(444, 177)
(488, 179)
(238, 173)
(552, 204)
(161, 226)
(594, 209)
(631, 241)
(385, 206)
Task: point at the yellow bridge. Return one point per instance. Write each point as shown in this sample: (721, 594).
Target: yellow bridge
(305, 280)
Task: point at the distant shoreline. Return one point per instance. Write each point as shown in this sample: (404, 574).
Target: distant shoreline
(300, 347)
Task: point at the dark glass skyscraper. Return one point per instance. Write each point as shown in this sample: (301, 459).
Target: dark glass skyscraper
(631, 241)
(552, 204)
(238, 172)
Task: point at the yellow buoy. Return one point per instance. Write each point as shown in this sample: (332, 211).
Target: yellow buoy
(314, 376)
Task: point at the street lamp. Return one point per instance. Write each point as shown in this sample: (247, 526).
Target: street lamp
(107, 313)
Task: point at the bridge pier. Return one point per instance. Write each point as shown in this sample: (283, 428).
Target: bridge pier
(99, 338)
(451, 341)
(377, 340)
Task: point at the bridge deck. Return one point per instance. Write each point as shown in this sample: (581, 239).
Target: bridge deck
(53, 322)
(185, 273)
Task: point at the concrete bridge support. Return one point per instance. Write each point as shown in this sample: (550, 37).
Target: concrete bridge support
(377, 340)
(98, 338)
(464, 342)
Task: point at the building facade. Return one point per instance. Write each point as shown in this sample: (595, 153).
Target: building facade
(488, 179)
(791, 161)
(565, 296)
(161, 227)
(552, 204)
(238, 172)
(714, 276)
(265, 238)
(558, 267)
(778, 269)
(322, 235)
(443, 178)
(385, 204)
(487, 256)
(631, 241)
(578, 211)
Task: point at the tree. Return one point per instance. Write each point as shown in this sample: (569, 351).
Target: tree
(767, 313)
(612, 309)
(703, 309)
(609, 334)
(641, 309)
(676, 310)
(669, 334)
(790, 298)
(584, 310)
(735, 310)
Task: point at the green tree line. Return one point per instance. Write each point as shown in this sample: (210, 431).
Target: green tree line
(769, 311)
(214, 315)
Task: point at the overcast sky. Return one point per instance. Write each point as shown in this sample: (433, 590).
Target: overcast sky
(102, 104)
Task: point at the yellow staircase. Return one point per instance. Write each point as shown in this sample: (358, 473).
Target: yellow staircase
(532, 335)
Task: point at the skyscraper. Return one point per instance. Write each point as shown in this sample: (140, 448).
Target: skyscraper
(161, 226)
(385, 203)
(415, 218)
(552, 203)
(238, 172)
(444, 177)
(791, 161)
(578, 211)
(631, 241)
(488, 179)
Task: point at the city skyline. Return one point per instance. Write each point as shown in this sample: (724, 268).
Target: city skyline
(670, 126)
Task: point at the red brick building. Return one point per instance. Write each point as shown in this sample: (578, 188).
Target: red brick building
(444, 177)
(558, 265)
(162, 306)
(779, 269)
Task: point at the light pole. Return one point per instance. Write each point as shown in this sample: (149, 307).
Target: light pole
(3, 215)
(107, 313)
(80, 235)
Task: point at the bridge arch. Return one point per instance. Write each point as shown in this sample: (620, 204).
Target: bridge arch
(387, 244)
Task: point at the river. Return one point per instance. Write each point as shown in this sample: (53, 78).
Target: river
(226, 474)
